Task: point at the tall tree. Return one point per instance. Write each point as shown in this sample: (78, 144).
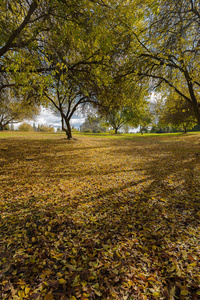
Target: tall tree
(81, 54)
(122, 102)
(14, 107)
(176, 111)
(165, 49)
(66, 96)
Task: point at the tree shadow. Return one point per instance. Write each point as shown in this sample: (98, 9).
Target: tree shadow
(118, 240)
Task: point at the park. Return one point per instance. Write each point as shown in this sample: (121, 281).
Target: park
(99, 217)
(103, 203)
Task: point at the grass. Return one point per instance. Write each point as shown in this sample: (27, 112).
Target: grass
(99, 218)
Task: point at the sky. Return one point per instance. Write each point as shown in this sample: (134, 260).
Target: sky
(46, 117)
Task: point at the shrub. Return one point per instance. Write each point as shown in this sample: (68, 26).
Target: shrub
(7, 127)
(45, 128)
(25, 127)
(74, 130)
(112, 131)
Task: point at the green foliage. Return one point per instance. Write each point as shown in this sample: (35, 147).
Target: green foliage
(25, 127)
(45, 128)
(58, 129)
(111, 131)
(108, 53)
(164, 51)
(74, 130)
(94, 124)
(6, 127)
(174, 110)
(15, 107)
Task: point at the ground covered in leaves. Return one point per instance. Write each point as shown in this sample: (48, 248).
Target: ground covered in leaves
(97, 218)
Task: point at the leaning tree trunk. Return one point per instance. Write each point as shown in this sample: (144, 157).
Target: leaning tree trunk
(69, 130)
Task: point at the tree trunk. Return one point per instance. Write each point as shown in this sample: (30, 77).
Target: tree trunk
(69, 130)
(1, 127)
(194, 101)
(197, 112)
(185, 129)
(141, 130)
(116, 129)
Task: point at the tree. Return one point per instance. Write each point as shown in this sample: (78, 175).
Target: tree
(165, 49)
(45, 128)
(94, 124)
(122, 102)
(80, 56)
(46, 37)
(25, 127)
(118, 118)
(176, 111)
(22, 24)
(145, 119)
(65, 97)
(14, 107)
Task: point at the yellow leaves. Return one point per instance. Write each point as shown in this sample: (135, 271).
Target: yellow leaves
(107, 227)
(198, 292)
(21, 282)
(98, 293)
(156, 294)
(48, 296)
(21, 294)
(163, 200)
(45, 273)
(85, 297)
(130, 283)
(62, 281)
(193, 264)
(27, 290)
(184, 292)
(24, 292)
(59, 274)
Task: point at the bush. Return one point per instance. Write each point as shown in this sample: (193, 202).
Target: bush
(45, 128)
(87, 130)
(7, 127)
(25, 127)
(112, 131)
(74, 130)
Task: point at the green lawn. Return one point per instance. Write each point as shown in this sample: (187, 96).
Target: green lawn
(99, 218)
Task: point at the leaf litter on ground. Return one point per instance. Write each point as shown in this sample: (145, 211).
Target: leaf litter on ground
(97, 218)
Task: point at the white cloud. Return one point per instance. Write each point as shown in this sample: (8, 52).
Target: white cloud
(47, 117)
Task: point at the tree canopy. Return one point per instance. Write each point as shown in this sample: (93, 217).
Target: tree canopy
(153, 44)
(165, 49)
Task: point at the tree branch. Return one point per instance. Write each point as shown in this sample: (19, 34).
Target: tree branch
(17, 31)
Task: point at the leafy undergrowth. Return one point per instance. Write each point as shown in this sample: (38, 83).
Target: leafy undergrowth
(96, 218)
